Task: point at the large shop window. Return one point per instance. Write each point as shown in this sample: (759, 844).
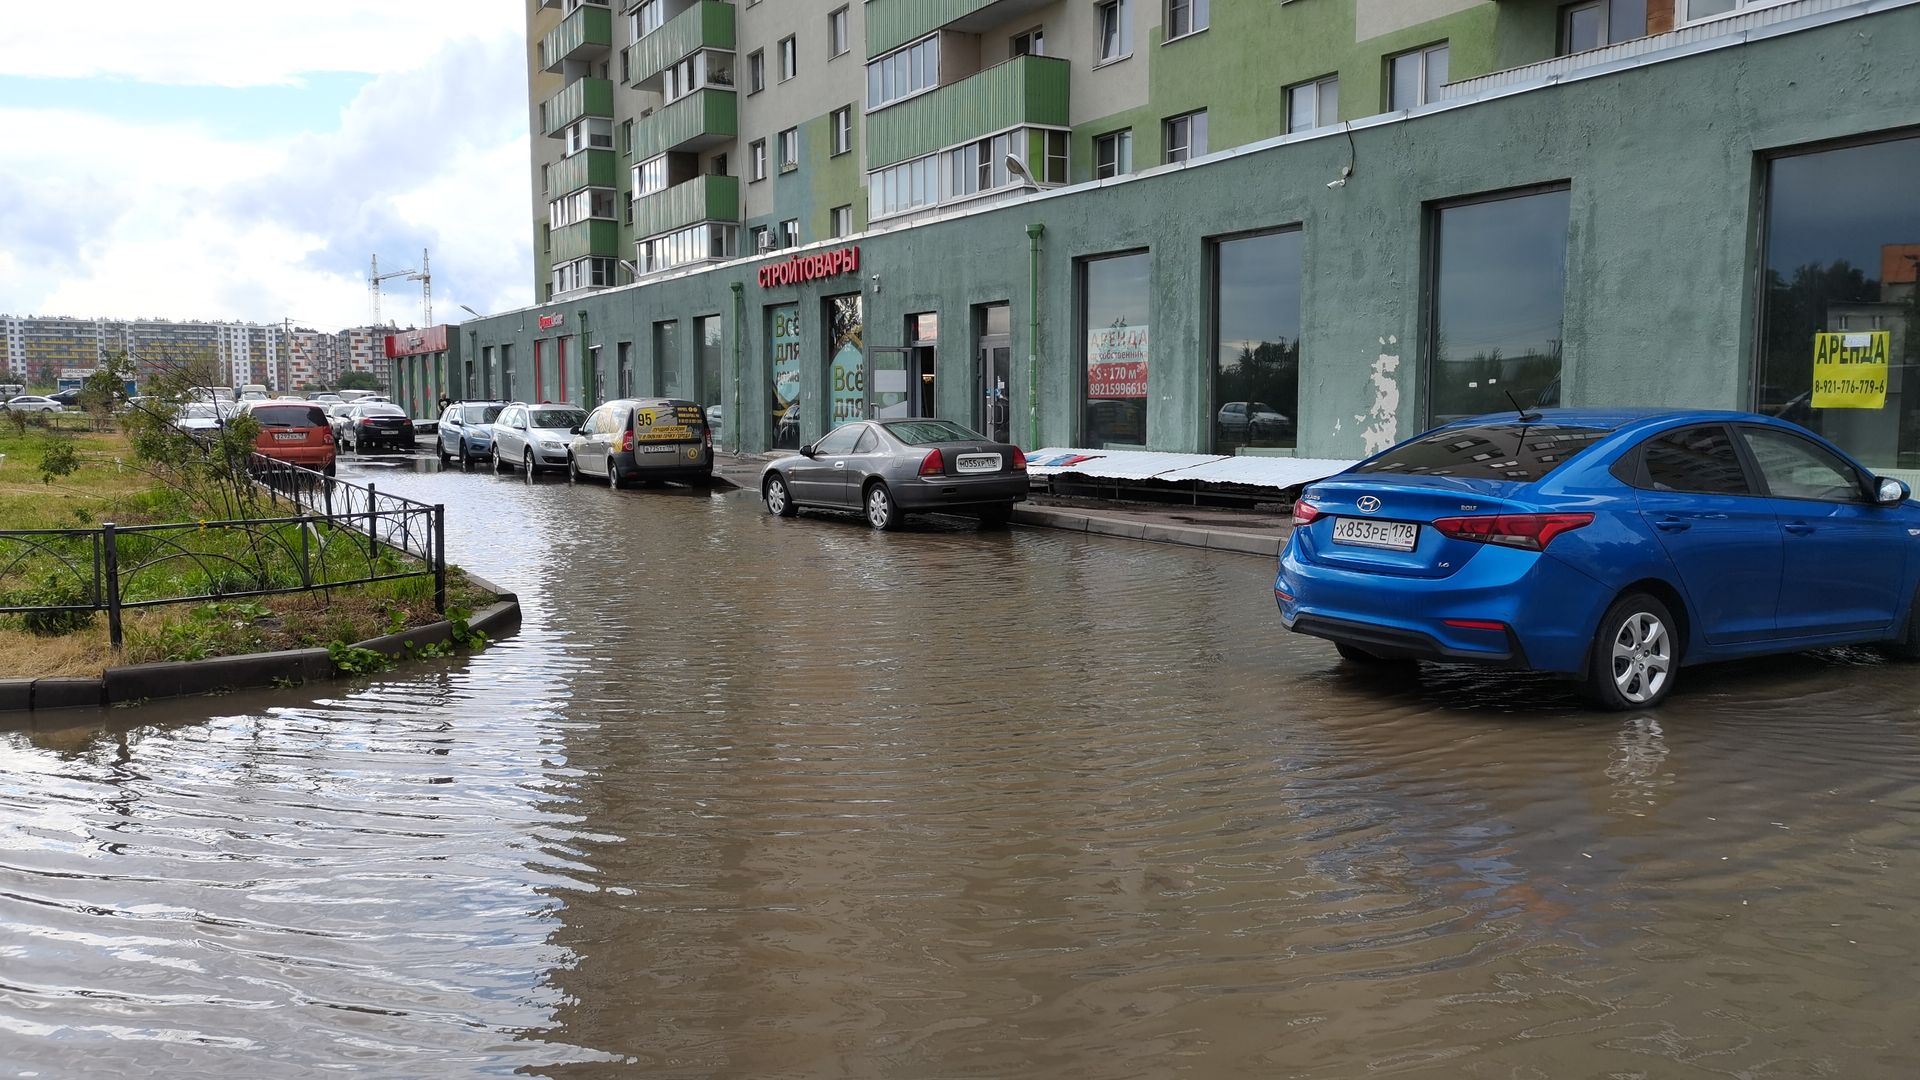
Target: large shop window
(783, 374)
(668, 371)
(1116, 305)
(707, 331)
(846, 360)
(1499, 294)
(1840, 330)
(1256, 341)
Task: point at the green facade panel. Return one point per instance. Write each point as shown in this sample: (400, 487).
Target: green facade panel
(588, 31)
(582, 98)
(589, 168)
(702, 116)
(1023, 90)
(706, 25)
(708, 198)
(584, 238)
(893, 23)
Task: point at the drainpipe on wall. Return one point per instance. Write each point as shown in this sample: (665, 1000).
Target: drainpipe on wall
(738, 421)
(1034, 232)
(586, 358)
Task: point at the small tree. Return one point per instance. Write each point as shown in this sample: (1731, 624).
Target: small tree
(358, 380)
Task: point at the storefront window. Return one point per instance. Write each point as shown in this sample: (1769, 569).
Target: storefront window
(707, 388)
(1256, 343)
(1115, 310)
(1499, 292)
(846, 360)
(1840, 334)
(668, 368)
(783, 372)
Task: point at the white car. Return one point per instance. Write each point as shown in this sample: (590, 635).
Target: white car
(33, 403)
(534, 437)
(198, 416)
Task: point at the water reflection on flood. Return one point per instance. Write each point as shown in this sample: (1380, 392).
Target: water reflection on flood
(749, 797)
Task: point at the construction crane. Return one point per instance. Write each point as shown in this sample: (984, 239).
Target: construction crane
(424, 276)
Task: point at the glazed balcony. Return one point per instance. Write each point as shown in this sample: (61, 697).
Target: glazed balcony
(1021, 91)
(582, 98)
(706, 25)
(595, 236)
(587, 34)
(706, 198)
(893, 23)
(702, 119)
(589, 168)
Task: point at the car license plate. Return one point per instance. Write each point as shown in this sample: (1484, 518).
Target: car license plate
(1393, 535)
(977, 463)
(289, 436)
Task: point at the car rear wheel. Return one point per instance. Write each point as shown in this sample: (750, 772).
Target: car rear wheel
(882, 512)
(779, 499)
(997, 514)
(1636, 654)
(613, 475)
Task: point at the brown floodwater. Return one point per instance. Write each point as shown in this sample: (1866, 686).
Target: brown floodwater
(749, 797)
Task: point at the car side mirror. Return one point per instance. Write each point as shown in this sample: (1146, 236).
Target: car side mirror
(574, 430)
(807, 450)
(1891, 492)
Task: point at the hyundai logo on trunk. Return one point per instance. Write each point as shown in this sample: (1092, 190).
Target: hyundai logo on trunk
(1368, 504)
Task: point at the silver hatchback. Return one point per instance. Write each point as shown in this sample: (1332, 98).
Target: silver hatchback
(534, 437)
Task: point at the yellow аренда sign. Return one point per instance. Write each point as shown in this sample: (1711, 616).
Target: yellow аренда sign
(1850, 370)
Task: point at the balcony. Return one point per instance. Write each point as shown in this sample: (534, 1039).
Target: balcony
(589, 168)
(594, 236)
(587, 34)
(700, 120)
(893, 23)
(1023, 90)
(707, 198)
(582, 98)
(706, 25)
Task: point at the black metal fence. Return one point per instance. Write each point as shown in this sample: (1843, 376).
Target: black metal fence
(337, 533)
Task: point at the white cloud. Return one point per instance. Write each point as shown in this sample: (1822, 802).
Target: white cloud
(120, 219)
(241, 42)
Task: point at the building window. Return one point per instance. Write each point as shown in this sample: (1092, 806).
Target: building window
(648, 17)
(785, 373)
(717, 165)
(1415, 78)
(790, 233)
(762, 239)
(626, 137)
(756, 71)
(1842, 249)
(1690, 10)
(706, 335)
(904, 72)
(842, 121)
(789, 149)
(757, 160)
(899, 188)
(840, 221)
(1256, 340)
(837, 34)
(981, 166)
(707, 68)
(1314, 104)
(1113, 154)
(846, 363)
(699, 243)
(592, 133)
(1115, 29)
(1583, 26)
(650, 176)
(1186, 136)
(1115, 302)
(789, 58)
(1499, 286)
(1031, 43)
(623, 378)
(1186, 17)
(580, 206)
(666, 360)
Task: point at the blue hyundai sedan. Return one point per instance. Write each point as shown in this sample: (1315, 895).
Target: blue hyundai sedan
(1610, 546)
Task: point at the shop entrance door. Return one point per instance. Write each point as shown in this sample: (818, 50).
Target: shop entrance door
(889, 393)
(996, 362)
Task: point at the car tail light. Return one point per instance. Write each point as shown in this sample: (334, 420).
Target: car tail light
(706, 438)
(1019, 460)
(1304, 513)
(933, 464)
(626, 441)
(1532, 532)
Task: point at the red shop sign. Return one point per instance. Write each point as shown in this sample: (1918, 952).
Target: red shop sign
(548, 322)
(810, 267)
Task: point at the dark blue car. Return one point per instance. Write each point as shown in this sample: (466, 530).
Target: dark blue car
(1611, 546)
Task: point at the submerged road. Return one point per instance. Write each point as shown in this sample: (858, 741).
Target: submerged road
(752, 797)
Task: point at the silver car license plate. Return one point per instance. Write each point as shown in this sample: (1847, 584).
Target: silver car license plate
(976, 463)
(1393, 535)
(289, 436)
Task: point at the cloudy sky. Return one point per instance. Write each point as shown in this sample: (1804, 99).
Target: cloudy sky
(218, 159)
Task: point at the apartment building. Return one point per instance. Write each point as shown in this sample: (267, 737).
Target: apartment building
(1280, 226)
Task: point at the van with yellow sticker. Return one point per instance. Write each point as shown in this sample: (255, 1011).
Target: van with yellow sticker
(643, 439)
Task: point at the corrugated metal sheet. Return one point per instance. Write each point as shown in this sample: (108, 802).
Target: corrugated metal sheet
(1023, 90)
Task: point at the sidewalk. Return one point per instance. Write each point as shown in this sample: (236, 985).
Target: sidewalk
(1245, 532)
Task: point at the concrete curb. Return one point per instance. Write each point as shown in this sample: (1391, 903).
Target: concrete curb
(1047, 517)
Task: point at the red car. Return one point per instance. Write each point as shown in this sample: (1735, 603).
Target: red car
(295, 432)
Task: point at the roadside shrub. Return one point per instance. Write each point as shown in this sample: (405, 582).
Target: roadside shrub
(53, 591)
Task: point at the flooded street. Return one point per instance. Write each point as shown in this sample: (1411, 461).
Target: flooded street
(752, 797)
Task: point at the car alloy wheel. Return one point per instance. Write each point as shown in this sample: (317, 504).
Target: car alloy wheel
(1635, 655)
(613, 474)
(526, 464)
(573, 469)
(779, 500)
(882, 514)
(466, 458)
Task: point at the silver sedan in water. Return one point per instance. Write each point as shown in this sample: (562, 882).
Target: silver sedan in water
(534, 437)
(890, 468)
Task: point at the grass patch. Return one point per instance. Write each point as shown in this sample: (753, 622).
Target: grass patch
(109, 485)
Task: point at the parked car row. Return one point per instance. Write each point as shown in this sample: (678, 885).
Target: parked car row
(629, 439)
